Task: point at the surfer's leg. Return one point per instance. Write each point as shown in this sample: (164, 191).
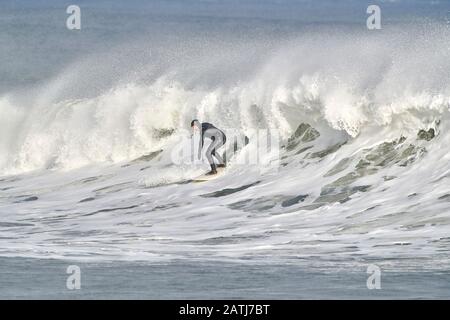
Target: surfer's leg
(209, 155)
(220, 142)
(219, 158)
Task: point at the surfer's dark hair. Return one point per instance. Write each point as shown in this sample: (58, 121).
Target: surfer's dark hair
(193, 122)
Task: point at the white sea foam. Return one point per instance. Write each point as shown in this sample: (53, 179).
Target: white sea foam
(70, 186)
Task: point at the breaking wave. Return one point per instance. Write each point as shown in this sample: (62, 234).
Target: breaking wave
(363, 169)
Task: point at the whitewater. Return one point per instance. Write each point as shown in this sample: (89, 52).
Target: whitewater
(86, 155)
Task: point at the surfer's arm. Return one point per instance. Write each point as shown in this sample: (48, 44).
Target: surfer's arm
(200, 146)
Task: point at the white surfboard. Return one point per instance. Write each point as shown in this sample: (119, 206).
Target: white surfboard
(205, 177)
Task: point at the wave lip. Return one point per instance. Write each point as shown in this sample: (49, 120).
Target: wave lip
(361, 82)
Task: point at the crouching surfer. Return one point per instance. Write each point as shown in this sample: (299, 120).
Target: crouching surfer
(218, 137)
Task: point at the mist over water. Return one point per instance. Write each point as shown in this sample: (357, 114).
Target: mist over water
(105, 107)
(89, 118)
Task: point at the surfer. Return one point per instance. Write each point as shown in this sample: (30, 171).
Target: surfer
(207, 130)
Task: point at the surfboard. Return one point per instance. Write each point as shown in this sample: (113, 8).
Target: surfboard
(204, 177)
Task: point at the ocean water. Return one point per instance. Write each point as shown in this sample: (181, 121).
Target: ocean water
(46, 279)
(92, 123)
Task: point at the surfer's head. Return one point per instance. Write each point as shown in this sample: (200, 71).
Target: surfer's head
(195, 124)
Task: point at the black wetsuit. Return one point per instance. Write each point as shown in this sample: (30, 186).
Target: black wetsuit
(218, 138)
